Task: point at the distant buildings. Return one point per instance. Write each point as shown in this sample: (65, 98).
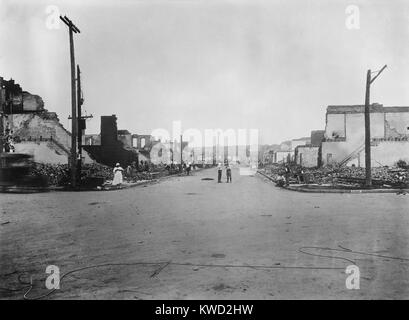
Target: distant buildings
(286, 152)
(343, 140)
(113, 145)
(125, 147)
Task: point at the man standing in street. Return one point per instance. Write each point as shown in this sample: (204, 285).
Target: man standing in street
(219, 173)
(228, 173)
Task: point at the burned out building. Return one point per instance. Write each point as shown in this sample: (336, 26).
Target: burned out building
(112, 147)
(92, 139)
(309, 155)
(344, 141)
(33, 129)
(286, 152)
(140, 145)
(144, 144)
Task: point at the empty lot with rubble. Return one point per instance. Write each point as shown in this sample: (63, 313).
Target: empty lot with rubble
(192, 238)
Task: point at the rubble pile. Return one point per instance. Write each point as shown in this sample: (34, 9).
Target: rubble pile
(97, 170)
(59, 174)
(354, 176)
(56, 174)
(138, 176)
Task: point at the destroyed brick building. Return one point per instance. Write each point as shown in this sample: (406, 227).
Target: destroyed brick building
(286, 152)
(144, 144)
(345, 135)
(112, 147)
(33, 129)
(343, 140)
(140, 144)
(309, 155)
(143, 147)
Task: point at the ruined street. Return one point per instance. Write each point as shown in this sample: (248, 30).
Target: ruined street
(189, 238)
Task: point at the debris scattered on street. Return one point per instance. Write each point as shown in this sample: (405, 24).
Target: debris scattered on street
(343, 177)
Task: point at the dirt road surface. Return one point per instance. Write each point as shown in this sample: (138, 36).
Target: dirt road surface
(188, 238)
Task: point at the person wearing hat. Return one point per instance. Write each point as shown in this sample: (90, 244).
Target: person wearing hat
(118, 179)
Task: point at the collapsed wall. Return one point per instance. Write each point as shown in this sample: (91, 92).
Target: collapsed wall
(36, 131)
(42, 135)
(345, 135)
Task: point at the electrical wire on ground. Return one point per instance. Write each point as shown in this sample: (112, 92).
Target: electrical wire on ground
(346, 250)
(163, 264)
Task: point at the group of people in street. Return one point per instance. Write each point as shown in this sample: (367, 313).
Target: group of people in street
(220, 172)
(187, 167)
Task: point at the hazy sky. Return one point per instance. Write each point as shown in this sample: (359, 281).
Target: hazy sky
(270, 65)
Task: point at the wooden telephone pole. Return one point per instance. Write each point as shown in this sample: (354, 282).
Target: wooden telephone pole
(74, 124)
(80, 124)
(181, 153)
(1, 116)
(368, 174)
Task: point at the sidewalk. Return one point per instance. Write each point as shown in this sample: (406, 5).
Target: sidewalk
(316, 188)
(108, 187)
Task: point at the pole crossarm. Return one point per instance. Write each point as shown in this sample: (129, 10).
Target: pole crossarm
(70, 24)
(379, 72)
(82, 117)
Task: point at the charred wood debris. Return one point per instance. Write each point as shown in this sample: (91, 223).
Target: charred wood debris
(339, 176)
(59, 174)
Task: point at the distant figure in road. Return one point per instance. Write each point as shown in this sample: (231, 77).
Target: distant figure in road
(228, 173)
(188, 168)
(300, 176)
(219, 173)
(287, 175)
(129, 172)
(118, 179)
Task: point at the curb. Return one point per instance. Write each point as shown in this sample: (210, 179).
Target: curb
(323, 190)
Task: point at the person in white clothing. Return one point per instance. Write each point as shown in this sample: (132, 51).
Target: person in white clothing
(118, 179)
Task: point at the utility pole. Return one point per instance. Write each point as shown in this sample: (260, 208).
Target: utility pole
(1, 116)
(181, 153)
(80, 124)
(214, 150)
(226, 150)
(369, 80)
(368, 175)
(218, 147)
(74, 124)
